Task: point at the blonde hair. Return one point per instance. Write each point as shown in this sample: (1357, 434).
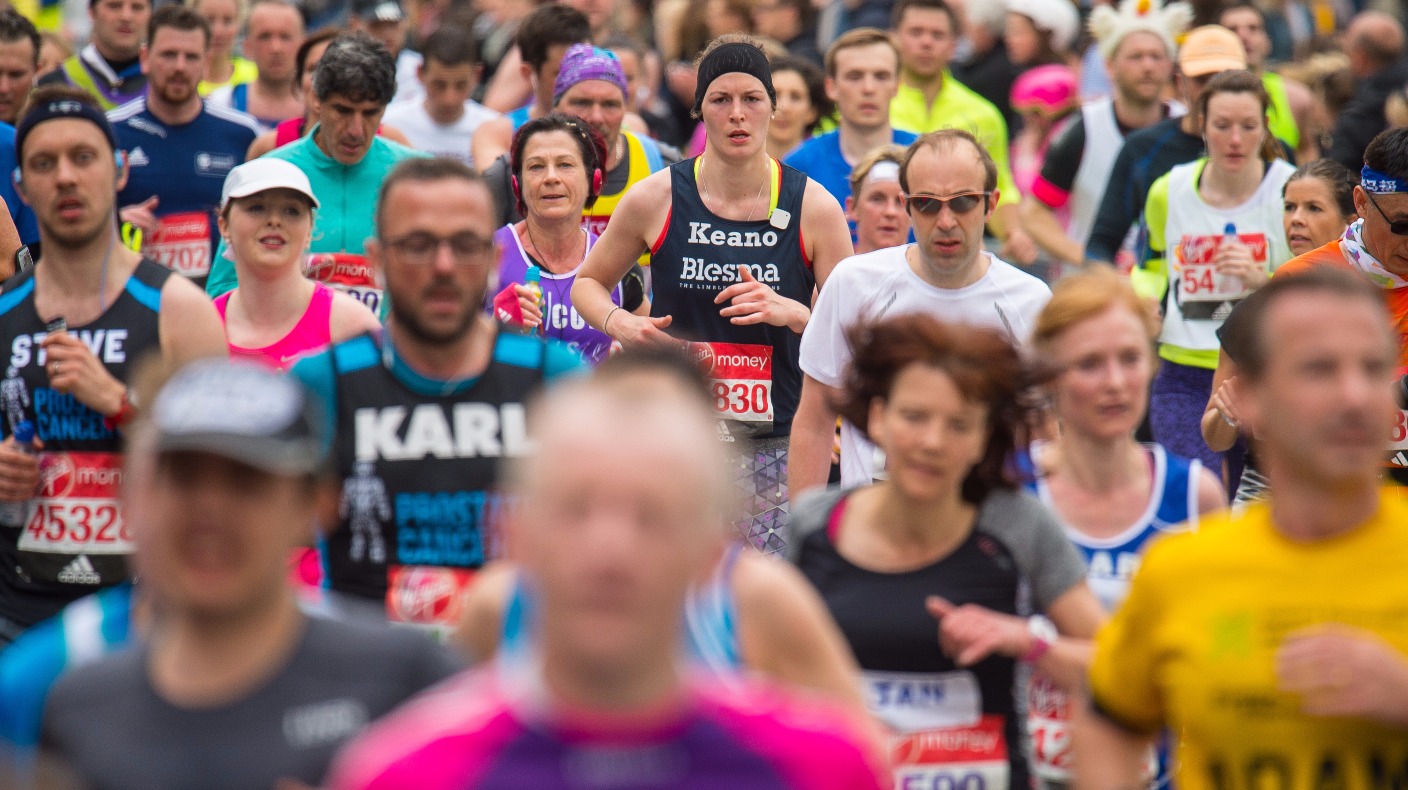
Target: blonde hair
(885, 153)
(241, 11)
(1085, 295)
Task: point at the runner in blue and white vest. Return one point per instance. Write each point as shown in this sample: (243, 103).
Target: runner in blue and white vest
(738, 243)
(72, 349)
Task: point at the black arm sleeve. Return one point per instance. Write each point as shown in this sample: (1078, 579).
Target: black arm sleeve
(633, 289)
(1064, 156)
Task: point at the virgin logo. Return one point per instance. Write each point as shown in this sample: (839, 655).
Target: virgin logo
(56, 475)
(703, 356)
(423, 595)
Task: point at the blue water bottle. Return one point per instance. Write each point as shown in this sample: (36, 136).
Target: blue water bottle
(15, 514)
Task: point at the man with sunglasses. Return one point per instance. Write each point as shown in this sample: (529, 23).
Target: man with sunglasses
(950, 186)
(426, 410)
(1376, 245)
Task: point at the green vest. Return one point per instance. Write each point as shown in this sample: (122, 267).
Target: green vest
(1278, 116)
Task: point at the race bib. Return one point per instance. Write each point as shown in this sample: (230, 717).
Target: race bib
(954, 758)
(426, 595)
(1199, 279)
(181, 243)
(77, 510)
(1399, 435)
(348, 273)
(1049, 722)
(740, 381)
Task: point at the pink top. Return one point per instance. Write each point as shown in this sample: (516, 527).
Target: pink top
(312, 332)
(471, 732)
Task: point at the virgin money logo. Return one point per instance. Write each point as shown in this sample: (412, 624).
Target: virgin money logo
(703, 356)
(57, 475)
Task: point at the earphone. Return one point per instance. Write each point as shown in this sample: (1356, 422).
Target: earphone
(555, 122)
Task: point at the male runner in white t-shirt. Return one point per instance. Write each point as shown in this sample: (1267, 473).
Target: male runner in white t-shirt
(950, 186)
(442, 120)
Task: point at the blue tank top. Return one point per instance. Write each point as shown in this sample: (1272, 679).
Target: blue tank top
(711, 622)
(755, 369)
(1173, 507)
(239, 99)
(520, 116)
(560, 319)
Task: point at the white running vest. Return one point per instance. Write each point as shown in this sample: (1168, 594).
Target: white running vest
(1103, 142)
(1192, 222)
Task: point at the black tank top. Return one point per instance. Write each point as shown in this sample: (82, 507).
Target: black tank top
(71, 539)
(960, 725)
(697, 257)
(419, 466)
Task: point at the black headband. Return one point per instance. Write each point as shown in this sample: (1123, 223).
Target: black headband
(728, 59)
(62, 108)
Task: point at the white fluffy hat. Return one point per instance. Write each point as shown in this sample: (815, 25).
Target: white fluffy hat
(1150, 16)
(1058, 17)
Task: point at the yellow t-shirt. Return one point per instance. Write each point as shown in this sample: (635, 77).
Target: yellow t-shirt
(1194, 647)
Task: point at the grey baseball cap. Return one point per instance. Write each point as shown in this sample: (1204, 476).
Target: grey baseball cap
(242, 411)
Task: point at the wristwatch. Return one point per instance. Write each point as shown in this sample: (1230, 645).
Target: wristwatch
(1044, 635)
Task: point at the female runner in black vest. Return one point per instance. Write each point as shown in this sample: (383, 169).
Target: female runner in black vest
(739, 244)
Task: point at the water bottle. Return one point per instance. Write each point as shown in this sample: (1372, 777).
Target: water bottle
(533, 281)
(15, 514)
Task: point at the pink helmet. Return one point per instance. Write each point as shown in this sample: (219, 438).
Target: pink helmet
(1051, 90)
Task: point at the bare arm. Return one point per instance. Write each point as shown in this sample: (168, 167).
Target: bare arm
(1077, 615)
(1041, 223)
(490, 141)
(1211, 495)
(1218, 432)
(394, 135)
(1017, 245)
(484, 603)
(189, 326)
(350, 318)
(509, 88)
(828, 237)
(813, 429)
(1107, 756)
(9, 242)
(262, 145)
(786, 632)
(635, 224)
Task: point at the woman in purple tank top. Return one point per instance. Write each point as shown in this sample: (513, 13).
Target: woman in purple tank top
(276, 314)
(557, 172)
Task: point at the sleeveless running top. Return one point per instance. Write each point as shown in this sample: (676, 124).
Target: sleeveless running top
(560, 319)
(288, 131)
(642, 158)
(711, 622)
(239, 99)
(521, 115)
(312, 332)
(419, 462)
(72, 539)
(1110, 563)
(756, 378)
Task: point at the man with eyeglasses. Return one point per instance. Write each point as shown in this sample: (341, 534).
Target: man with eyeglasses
(425, 411)
(1376, 245)
(950, 187)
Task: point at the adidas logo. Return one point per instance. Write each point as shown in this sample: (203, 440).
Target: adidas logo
(80, 571)
(137, 157)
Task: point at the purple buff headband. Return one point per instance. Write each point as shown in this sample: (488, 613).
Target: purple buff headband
(1381, 183)
(585, 62)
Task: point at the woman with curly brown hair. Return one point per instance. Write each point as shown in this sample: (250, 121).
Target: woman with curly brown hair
(947, 537)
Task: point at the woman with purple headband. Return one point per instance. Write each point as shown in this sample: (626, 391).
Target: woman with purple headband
(738, 245)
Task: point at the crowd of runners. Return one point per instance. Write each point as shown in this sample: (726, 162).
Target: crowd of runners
(916, 394)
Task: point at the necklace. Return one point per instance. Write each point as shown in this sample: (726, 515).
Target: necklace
(542, 254)
(704, 188)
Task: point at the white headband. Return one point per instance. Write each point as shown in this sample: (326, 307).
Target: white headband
(883, 171)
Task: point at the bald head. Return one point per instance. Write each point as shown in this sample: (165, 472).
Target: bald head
(1373, 40)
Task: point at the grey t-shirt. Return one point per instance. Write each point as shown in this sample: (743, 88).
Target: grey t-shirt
(113, 729)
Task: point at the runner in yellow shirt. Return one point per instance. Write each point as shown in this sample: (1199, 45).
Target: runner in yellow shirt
(1273, 644)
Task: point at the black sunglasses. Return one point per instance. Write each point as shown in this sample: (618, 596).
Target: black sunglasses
(962, 203)
(1399, 228)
